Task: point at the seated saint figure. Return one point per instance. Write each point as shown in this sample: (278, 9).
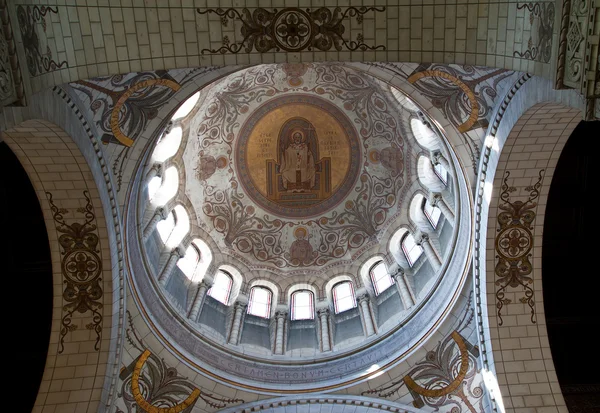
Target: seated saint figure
(297, 164)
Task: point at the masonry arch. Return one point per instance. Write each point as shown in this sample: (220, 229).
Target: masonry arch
(77, 230)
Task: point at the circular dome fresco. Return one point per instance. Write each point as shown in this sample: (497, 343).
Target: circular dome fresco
(297, 227)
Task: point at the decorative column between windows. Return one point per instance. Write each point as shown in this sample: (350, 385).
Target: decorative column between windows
(403, 288)
(280, 318)
(437, 200)
(176, 254)
(154, 171)
(430, 253)
(238, 311)
(158, 216)
(196, 307)
(363, 301)
(323, 315)
(438, 158)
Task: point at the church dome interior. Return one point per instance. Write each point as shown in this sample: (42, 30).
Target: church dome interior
(284, 206)
(305, 212)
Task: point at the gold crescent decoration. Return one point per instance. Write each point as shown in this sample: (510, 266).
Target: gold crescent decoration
(114, 116)
(465, 126)
(464, 367)
(143, 403)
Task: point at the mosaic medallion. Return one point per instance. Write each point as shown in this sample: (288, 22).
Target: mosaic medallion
(298, 156)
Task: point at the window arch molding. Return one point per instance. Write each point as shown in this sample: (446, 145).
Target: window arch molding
(364, 272)
(187, 107)
(204, 254)
(269, 285)
(344, 296)
(173, 229)
(427, 176)
(378, 282)
(356, 282)
(222, 286)
(425, 136)
(432, 213)
(238, 281)
(168, 145)
(301, 286)
(395, 246)
(302, 311)
(188, 264)
(169, 186)
(260, 302)
(416, 213)
(412, 252)
(403, 99)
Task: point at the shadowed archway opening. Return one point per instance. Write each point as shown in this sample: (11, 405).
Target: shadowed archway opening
(570, 272)
(26, 267)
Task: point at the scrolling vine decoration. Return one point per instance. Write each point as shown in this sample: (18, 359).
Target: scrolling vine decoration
(292, 29)
(38, 61)
(81, 267)
(447, 375)
(514, 243)
(151, 386)
(541, 18)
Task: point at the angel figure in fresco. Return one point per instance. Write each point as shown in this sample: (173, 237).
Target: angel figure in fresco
(297, 164)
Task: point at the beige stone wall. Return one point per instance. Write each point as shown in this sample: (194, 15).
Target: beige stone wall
(99, 38)
(76, 365)
(521, 351)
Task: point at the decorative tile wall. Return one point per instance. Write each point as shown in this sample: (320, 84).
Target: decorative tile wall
(521, 351)
(82, 315)
(87, 39)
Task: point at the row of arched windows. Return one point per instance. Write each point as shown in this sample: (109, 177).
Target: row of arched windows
(173, 229)
(302, 305)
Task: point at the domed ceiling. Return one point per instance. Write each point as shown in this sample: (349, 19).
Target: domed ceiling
(297, 167)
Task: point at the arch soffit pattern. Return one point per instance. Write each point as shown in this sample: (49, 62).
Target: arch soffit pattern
(49, 105)
(522, 97)
(71, 203)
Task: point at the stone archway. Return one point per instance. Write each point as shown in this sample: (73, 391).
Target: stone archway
(520, 352)
(76, 370)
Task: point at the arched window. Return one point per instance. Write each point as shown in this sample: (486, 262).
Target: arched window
(424, 135)
(189, 262)
(168, 187)
(168, 145)
(303, 305)
(221, 287)
(411, 250)
(186, 107)
(166, 226)
(441, 173)
(153, 186)
(260, 302)
(380, 277)
(343, 297)
(174, 227)
(432, 213)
